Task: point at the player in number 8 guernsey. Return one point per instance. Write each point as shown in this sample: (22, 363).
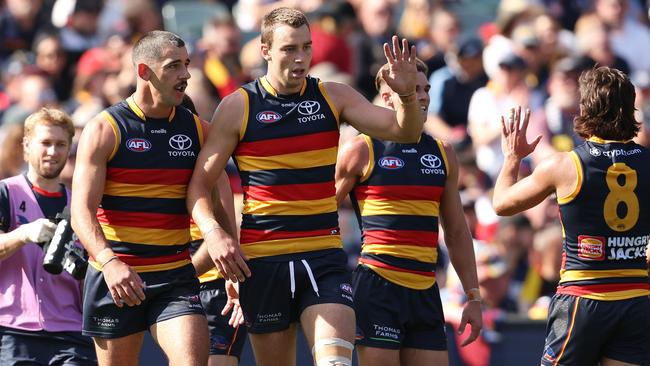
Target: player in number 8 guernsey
(601, 311)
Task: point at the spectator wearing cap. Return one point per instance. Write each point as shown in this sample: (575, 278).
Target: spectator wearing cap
(452, 88)
(79, 23)
(507, 87)
(562, 105)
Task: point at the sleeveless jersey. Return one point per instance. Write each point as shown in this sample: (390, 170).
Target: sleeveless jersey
(605, 222)
(142, 212)
(286, 158)
(397, 203)
(30, 297)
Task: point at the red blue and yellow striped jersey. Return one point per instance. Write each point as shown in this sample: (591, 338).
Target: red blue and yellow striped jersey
(142, 212)
(286, 158)
(605, 222)
(397, 202)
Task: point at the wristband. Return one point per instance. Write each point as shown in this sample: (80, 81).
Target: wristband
(473, 294)
(214, 227)
(104, 255)
(410, 98)
(101, 265)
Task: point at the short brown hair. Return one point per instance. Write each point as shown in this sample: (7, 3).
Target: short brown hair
(52, 117)
(606, 105)
(149, 48)
(281, 16)
(419, 64)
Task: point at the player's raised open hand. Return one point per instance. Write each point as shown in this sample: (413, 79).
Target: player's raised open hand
(401, 72)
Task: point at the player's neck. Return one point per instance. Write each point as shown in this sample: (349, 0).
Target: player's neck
(48, 185)
(281, 88)
(151, 107)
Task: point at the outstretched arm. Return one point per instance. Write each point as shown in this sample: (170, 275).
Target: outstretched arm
(404, 125)
(512, 196)
(220, 144)
(95, 147)
(461, 249)
(350, 165)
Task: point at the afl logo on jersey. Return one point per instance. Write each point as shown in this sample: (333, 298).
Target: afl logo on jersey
(391, 162)
(138, 145)
(268, 117)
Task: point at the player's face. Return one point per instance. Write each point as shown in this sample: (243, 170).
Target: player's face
(171, 75)
(421, 92)
(289, 55)
(47, 150)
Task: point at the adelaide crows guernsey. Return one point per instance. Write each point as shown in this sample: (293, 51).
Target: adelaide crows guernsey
(142, 212)
(397, 203)
(286, 157)
(606, 222)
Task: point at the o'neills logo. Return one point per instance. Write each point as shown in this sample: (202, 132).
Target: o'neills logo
(268, 117)
(591, 247)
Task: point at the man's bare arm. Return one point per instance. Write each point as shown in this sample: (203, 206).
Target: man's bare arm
(459, 242)
(95, 147)
(350, 166)
(219, 146)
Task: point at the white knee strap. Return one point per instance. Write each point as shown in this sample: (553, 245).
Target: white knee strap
(334, 359)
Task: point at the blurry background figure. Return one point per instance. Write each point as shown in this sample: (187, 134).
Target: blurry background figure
(592, 42)
(641, 81)
(494, 280)
(19, 23)
(11, 150)
(35, 91)
(331, 26)
(452, 88)
(562, 105)
(219, 47)
(443, 34)
(545, 261)
(203, 93)
(78, 21)
(377, 19)
(629, 37)
(507, 87)
(50, 58)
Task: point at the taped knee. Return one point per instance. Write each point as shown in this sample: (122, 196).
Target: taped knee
(333, 352)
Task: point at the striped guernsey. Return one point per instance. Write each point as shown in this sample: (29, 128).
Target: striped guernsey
(397, 202)
(142, 212)
(286, 158)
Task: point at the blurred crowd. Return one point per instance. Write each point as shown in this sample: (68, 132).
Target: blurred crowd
(484, 57)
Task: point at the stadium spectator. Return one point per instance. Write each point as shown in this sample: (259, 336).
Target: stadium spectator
(452, 88)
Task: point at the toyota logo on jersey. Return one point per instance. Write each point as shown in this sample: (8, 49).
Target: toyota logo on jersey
(308, 107)
(180, 142)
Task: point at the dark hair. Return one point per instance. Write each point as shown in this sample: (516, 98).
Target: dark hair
(606, 105)
(420, 66)
(281, 16)
(149, 48)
